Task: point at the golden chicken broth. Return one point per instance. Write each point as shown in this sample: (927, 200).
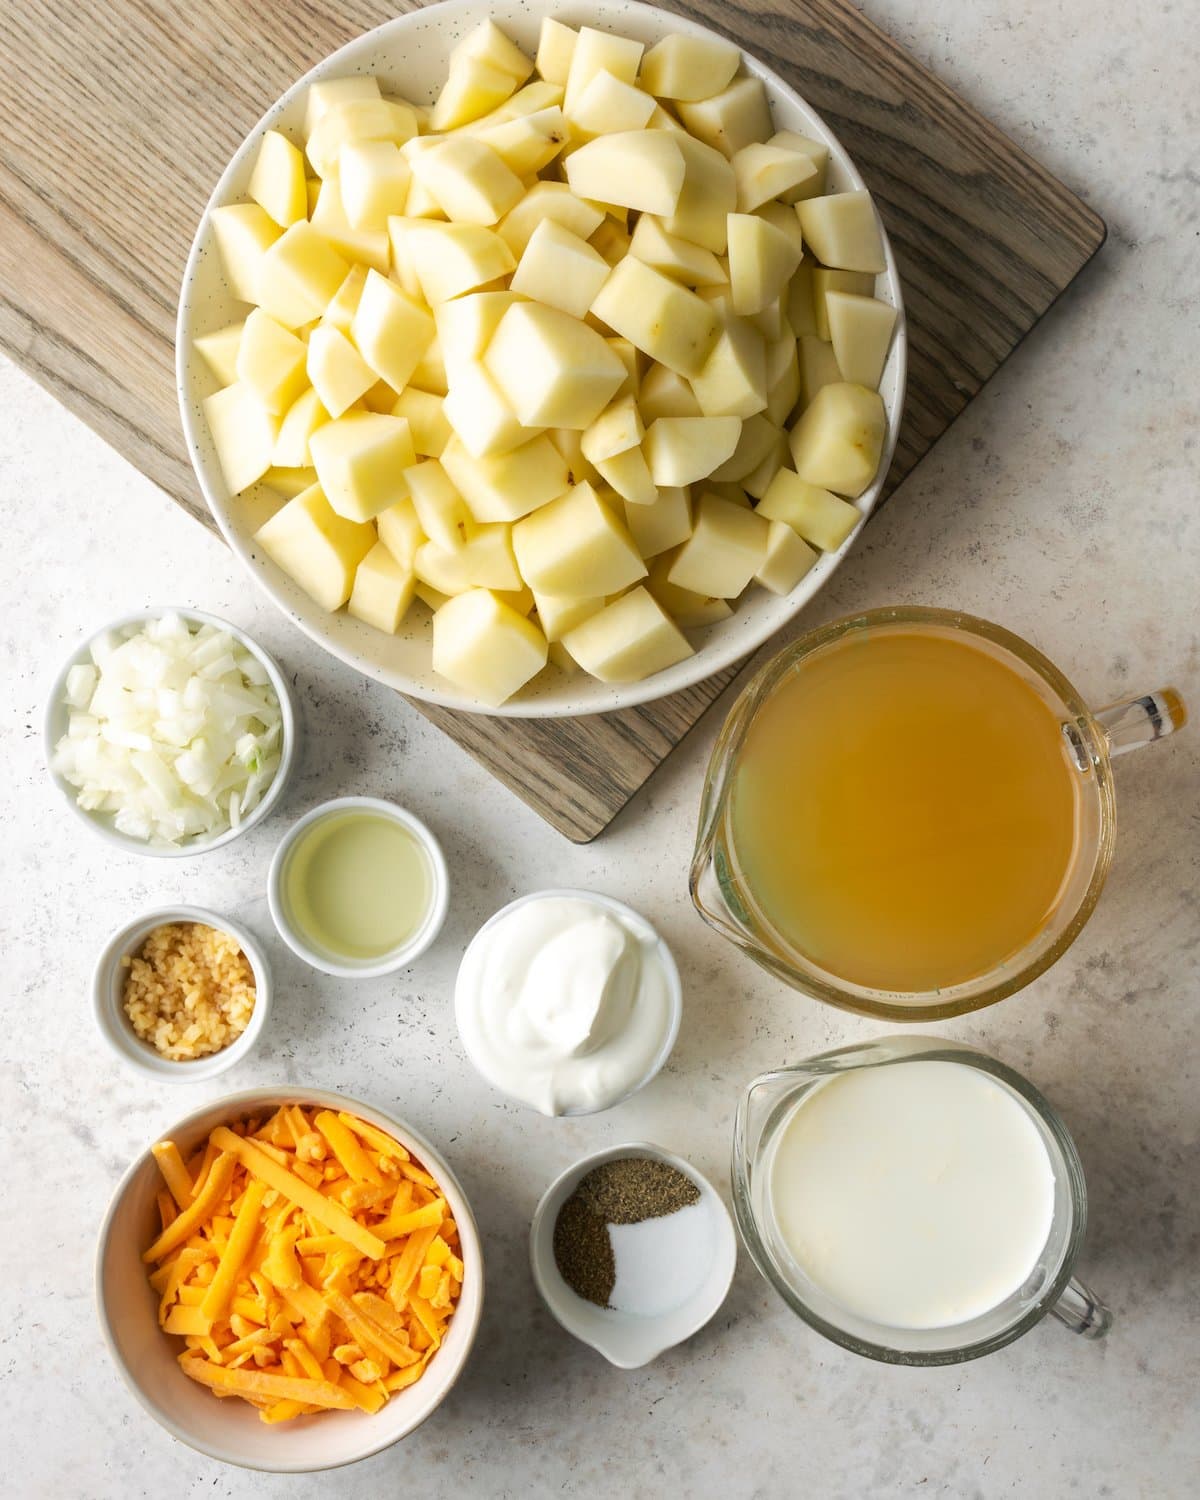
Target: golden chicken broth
(903, 811)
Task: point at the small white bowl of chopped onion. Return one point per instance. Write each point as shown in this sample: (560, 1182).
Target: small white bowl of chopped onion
(170, 732)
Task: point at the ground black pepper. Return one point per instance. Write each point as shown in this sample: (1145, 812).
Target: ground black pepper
(583, 1251)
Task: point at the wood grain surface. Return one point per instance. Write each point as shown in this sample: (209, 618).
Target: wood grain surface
(118, 119)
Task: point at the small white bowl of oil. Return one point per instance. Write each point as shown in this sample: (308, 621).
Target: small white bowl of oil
(358, 887)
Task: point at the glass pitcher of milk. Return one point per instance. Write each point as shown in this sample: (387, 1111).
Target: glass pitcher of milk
(913, 1200)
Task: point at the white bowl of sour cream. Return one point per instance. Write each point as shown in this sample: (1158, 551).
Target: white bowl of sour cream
(568, 1001)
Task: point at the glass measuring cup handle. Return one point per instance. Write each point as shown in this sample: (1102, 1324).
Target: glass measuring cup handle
(1134, 722)
(1082, 1311)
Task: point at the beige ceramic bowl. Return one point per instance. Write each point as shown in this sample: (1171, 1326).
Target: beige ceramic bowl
(230, 1430)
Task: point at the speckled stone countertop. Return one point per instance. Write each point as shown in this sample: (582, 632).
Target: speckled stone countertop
(1063, 504)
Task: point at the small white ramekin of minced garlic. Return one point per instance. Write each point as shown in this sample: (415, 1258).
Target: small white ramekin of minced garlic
(181, 994)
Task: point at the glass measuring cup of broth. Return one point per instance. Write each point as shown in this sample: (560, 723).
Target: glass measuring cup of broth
(913, 1200)
(909, 812)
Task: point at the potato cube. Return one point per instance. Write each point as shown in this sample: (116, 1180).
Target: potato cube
(811, 512)
(270, 362)
(468, 179)
(861, 331)
(762, 260)
(632, 361)
(528, 143)
(450, 259)
(665, 394)
(665, 524)
(357, 120)
(374, 179)
(637, 169)
(725, 550)
(530, 100)
(569, 442)
(816, 151)
(298, 275)
(608, 105)
(300, 421)
(465, 326)
(558, 613)
(443, 568)
(328, 218)
(506, 486)
(340, 311)
(485, 647)
(755, 440)
(818, 367)
(381, 398)
(548, 200)
(824, 281)
(383, 590)
(758, 481)
(486, 43)
(471, 89)
(556, 43)
(288, 482)
(628, 640)
(243, 433)
(708, 197)
(599, 52)
(442, 512)
(219, 351)
(553, 370)
(577, 546)
(400, 530)
(489, 559)
(316, 547)
(681, 450)
(733, 382)
(477, 411)
(560, 269)
(784, 219)
(330, 91)
(244, 232)
(783, 380)
(339, 374)
(690, 264)
(843, 231)
(688, 610)
(788, 558)
(426, 420)
(629, 474)
(360, 461)
(430, 374)
(838, 440)
(763, 172)
(661, 318)
(689, 67)
(611, 240)
(277, 181)
(391, 329)
(801, 314)
(736, 117)
(615, 430)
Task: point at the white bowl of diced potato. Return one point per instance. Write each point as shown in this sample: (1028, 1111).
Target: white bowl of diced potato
(541, 366)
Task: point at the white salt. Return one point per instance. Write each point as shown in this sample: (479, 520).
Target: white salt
(661, 1263)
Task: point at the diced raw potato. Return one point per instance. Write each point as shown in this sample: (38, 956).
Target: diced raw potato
(666, 394)
(736, 117)
(708, 196)
(783, 383)
(383, 590)
(689, 610)
(801, 314)
(426, 420)
(450, 259)
(569, 442)
(485, 647)
(477, 411)
(816, 151)
(374, 179)
(615, 430)
(527, 143)
(298, 275)
(530, 100)
(548, 200)
(560, 269)
(360, 461)
(665, 524)
(391, 329)
(552, 369)
(757, 436)
(629, 474)
(733, 382)
(244, 233)
(763, 172)
(691, 264)
(681, 450)
(432, 598)
(430, 374)
(608, 104)
(243, 433)
(465, 326)
(288, 482)
(725, 550)
(628, 640)
(787, 559)
(340, 312)
(490, 561)
(815, 514)
(332, 91)
(818, 366)
(630, 358)
(576, 545)
(661, 318)
(770, 322)
(471, 90)
(277, 182)
(824, 281)
(838, 441)
(339, 374)
(365, 246)
(219, 351)
(560, 658)
(357, 120)
(468, 179)
(762, 260)
(270, 362)
(316, 547)
(382, 398)
(611, 241)
(507, 486)
(441, 568)
(599, 52)
(301, 420)
(758, 481)
(558, 613)
(556, 44)
(400, 530)
(861, 332)
(843, 231)
(689, 67)
(442, 512)
(638, 169)
(486, 43)
(784, 218)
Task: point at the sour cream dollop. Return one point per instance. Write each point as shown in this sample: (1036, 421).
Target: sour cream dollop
(566, 1002)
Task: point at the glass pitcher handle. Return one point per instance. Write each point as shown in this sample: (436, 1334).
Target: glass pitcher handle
(1082, 1311)
(1134, 722)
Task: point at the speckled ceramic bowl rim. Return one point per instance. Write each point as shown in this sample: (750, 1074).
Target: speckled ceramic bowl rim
(398, 958)
(735, 639)
(55, 717)
(670, 968)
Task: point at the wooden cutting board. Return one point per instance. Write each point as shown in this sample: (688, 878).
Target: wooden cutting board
(119, 119)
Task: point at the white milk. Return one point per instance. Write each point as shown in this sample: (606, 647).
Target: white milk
(918, 1195)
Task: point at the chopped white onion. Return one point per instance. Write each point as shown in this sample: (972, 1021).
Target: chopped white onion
(174, 731)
